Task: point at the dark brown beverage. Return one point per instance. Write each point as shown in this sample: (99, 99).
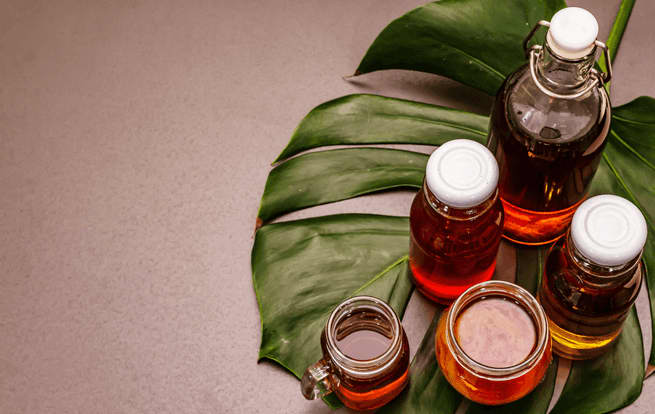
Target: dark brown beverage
(373, 392)
(364, 344)
(544, 174)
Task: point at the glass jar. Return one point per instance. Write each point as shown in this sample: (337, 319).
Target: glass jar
(548, 129)
(365, 356)
(493, 344)
(592, 276)
(455, 221)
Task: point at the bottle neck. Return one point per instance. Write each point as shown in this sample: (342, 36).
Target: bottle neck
(600, 275)
(454, 213)
(564, 75)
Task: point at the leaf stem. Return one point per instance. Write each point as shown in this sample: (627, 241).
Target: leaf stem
(616, 33)
(620, 22)
(382, 273)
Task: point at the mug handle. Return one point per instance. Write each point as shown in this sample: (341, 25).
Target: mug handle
(315, 382)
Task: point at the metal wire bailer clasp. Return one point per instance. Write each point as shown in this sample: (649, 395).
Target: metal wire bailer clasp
(532, 53)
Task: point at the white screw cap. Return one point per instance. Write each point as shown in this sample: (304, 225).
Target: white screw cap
(608, 230)
(462, 173)
(572, 33)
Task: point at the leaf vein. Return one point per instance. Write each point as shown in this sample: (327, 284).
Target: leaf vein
(432, 121)
(382, 273)
(631, 149)
(292, 246)
(627, 189)
(632, 121)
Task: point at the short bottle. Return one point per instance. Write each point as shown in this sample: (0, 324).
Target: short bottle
(456, 221)
(492, 344)
(592, 276)
(548, 128)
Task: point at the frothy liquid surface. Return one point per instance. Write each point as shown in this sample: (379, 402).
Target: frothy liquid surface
(495, 332)
(364, 344)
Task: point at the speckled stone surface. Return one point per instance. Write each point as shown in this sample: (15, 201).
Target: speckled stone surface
(135, 141)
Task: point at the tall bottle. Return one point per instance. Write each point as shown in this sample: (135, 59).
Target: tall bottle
(548, 128)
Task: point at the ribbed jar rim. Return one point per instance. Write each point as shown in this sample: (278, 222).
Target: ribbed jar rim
(497, 288)
(371, 367)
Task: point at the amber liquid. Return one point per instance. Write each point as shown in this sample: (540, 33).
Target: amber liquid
(366, 336)
(545, 176)
(496, 332)
(585, 314)
(499, 334)
(450, 253)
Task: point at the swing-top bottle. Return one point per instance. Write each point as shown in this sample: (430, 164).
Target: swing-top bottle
(548, 128)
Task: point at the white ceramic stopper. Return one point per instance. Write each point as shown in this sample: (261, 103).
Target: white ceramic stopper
(572, 33)
(462, 173)
(609, 230)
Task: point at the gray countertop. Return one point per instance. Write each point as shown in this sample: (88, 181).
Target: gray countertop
(135, 141)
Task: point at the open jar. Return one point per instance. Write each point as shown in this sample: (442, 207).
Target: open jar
(365, 356)
(493, 344)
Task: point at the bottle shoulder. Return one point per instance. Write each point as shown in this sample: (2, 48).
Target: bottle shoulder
(425, 203)
(549, 119)
(563, 259)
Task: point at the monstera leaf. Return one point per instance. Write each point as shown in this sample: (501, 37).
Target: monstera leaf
(327, 176)
(388, 121)
(302, 269)
(303, 182)
(476, 42)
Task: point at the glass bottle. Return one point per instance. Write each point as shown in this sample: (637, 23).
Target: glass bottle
(548, 129)
(365, 356)
(504, 350)
(592, 276)
(455, 221)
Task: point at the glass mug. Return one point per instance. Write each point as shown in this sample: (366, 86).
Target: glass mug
(493, 344)
(365, 356)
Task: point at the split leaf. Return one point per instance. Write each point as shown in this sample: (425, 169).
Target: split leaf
(475, 42)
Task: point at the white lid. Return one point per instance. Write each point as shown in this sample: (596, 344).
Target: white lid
(609, 230)
(462, 173)
(572, 33)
